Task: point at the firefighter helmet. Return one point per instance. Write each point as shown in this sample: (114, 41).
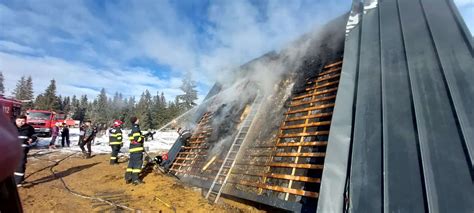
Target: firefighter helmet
(117, 123)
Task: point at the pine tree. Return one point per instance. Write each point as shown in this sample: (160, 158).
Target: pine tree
(48, 100)
(74, 108)
(66, 105)
(129, 110)
(60, 101)
(187, 100)
(101, 109)
(83, 107)
(19, 91)
(29, 96)
(144, 110)
(159, 110)
(2, 87)
(91, 108)
(39, 102)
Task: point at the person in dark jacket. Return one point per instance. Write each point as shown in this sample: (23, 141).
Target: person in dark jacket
(136, 154)
(54, 135)
(87, 140)
(65, 135)
(26, 136)
(115, 140)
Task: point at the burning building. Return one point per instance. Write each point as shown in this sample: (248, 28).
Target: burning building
(373, 112)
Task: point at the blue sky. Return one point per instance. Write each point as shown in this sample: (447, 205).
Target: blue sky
(130, 46)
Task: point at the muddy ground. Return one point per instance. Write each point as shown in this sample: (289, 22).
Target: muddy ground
(95, 177)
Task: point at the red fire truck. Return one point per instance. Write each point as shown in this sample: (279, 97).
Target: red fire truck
(44, 120)
(10, 107)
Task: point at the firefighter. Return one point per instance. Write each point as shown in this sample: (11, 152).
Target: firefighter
(26, 135)
(87, 140)
(136, 154)
(115, 140)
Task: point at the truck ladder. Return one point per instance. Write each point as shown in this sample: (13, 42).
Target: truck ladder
(218, 184)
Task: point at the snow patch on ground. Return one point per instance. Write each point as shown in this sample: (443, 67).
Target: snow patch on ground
(162, 142)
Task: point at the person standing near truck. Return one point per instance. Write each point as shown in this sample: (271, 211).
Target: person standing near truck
(65, 135)
(26, 136)
(54, 135)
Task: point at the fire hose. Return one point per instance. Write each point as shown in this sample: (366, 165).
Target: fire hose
(56, 163)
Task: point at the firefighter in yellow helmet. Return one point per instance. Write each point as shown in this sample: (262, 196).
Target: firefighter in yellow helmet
(115, 141)
(136, 153)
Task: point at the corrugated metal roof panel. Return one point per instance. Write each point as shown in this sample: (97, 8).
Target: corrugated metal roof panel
(412, 114)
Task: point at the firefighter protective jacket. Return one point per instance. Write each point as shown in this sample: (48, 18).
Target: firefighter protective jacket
(136, 139)
(115, 136)
(26, 132)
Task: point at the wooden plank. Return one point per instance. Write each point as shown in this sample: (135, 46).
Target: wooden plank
(189, 147)
(315, 143)
(278, 188)
(280, 176)
(192, 153)
(197, 142)
(301, 154)
(322, 123)
(198, 137)
(288, 165)
(297, 165)
(330, 71)
(297, 103)
(200, 140)
(333, 64)
(182, 164)
(327, 78)
(293, 177)
(319, 115)
(304, 134)
(322, 85)
(315, 94)
(260, 155)
(327, 84)
(261, 147)
(180, 158)
(322, 106)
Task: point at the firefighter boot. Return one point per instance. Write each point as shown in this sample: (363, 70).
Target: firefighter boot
(138, 182)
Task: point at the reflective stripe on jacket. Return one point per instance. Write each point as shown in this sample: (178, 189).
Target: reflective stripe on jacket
(136, 139)
(115, 136)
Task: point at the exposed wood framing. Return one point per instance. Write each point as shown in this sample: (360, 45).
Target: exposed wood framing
(292, 140)
(193, 152)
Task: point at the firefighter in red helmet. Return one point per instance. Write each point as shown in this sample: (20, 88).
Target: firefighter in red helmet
(115, 140)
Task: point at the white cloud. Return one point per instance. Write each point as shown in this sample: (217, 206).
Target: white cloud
(12, 46)
(77, 79)
(75, 38)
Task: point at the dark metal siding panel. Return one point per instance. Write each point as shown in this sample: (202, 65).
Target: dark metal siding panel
(331, 196)
(403, 186)
(366, 172)
(457, 65)
(448, 182)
